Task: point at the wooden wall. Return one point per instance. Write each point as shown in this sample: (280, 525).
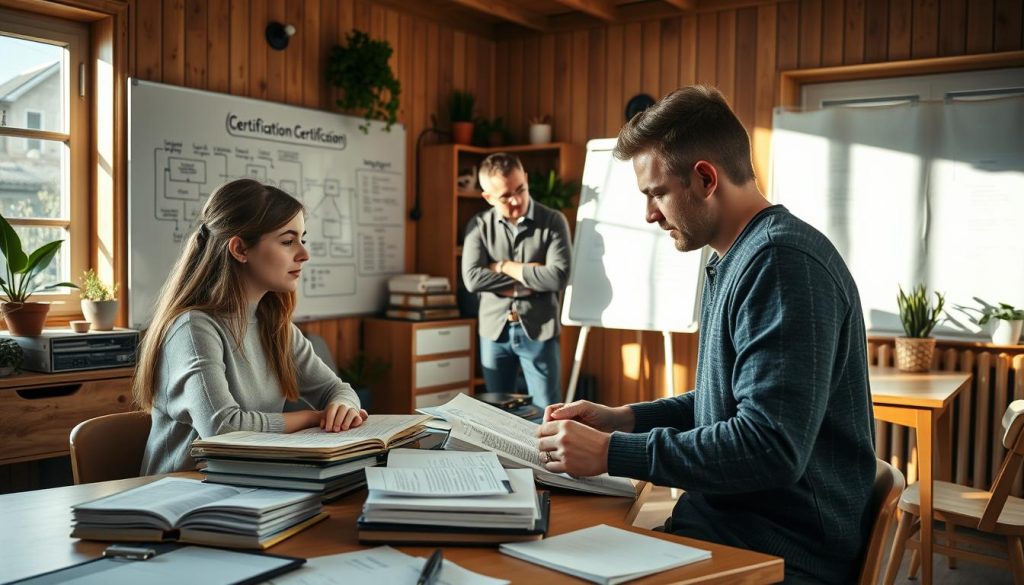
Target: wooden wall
(584, 78)
(219, 45)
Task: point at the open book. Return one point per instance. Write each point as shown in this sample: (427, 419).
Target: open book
(477, 426)
(188, 510)
(377, 433)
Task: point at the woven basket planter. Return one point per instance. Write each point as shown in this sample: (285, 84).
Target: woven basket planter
(914, 354)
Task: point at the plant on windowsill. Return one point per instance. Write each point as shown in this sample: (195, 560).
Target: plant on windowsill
(361, 70)
(19, 282)
(99, 301)
(362, 372)
(460, 110)
(1008, 320)
(919, 317)
(10, 357)
(551, 191)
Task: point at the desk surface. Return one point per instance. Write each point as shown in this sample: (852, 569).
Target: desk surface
(34, 528)
(924, 389)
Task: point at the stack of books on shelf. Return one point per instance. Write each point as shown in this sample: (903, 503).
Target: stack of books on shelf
(312, 460)
(189, 511)
(420, 297)
(448, 497)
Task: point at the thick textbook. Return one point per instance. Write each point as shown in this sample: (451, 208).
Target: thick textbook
(422, 314)
(188, 510)
(377, 433)
(416, 301)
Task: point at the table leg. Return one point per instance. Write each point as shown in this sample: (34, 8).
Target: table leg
(925, 461)
(944, 465)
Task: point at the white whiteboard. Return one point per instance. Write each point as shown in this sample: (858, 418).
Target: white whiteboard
(626, 273)
(184, 143)
(928, 193)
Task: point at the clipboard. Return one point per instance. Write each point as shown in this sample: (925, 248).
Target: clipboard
(174, 563)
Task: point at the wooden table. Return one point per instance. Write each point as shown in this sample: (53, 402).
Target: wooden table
(921, 401)
(34, 528)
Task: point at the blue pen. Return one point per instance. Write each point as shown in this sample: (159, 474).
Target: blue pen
(431, 569)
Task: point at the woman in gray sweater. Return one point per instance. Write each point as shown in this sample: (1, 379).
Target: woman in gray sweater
(222, 354)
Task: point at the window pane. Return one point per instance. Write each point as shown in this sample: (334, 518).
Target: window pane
(32, 84)
(31, 183)
(34, 237)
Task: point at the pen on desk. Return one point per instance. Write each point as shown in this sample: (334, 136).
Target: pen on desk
(431, 569)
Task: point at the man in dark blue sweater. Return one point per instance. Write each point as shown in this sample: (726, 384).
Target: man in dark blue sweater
(774, 447)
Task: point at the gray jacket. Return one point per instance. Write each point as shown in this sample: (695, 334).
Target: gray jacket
(544, 239)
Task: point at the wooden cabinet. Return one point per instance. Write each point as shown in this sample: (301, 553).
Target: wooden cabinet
(38, 411)
(430, 361)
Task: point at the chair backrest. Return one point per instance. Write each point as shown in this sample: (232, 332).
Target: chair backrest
(885, 495)
(322, 351)
(1013, 440)
(109, 447)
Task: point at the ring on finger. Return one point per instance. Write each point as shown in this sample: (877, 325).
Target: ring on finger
(547, 456)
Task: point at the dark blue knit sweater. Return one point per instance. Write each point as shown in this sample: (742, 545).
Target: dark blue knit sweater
(774, 447)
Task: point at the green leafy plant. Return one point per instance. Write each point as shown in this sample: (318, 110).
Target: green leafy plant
(19, 281)
(11, 355)
(490, 132)
(362, 371)
(94, 289)
(360, 69)
(988, 311)
(917, 313)
(460, 106)
(550, 190)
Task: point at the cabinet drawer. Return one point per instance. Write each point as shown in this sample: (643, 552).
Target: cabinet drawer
(438, 398)
(36, 422)
(442, 340)
(439, 372)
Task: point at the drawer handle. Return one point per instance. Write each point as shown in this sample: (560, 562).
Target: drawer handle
(443, 364)
(444, 332)
(49, 392)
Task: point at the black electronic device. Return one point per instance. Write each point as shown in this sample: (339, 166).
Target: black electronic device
(63, 350)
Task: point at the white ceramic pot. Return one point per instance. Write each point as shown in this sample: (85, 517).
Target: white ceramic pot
(1007, 332)
(540, 133)
(101, 314)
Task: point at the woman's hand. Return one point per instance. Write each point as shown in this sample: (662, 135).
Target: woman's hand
(339, 416)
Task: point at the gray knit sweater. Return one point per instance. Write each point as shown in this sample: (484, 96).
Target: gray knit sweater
(207, 386)
(774, 447)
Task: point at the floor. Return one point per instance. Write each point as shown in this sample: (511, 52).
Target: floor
(658, 505)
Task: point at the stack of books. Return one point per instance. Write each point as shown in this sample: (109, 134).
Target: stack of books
(311, 460)
(446, 497)
(187, 510)
(420, 297)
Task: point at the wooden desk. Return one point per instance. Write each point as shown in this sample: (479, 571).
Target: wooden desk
(921, 401)
(34, 528)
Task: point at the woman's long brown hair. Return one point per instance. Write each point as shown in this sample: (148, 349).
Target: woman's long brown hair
(207, 278)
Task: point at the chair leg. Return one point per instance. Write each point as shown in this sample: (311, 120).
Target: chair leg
(915, 564)
(899, 546)
(950, 536)
(1016, 559)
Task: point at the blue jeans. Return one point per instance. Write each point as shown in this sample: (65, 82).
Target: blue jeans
(540, 361)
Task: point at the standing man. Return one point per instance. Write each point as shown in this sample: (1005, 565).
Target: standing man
(517, 256)
(774, 447)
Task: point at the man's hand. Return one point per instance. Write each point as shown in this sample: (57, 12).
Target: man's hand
(598, 416)
(567, 446)
(339, 416)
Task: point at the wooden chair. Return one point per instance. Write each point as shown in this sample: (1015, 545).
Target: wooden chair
(993, 511)
(109, 447)
(889, 484)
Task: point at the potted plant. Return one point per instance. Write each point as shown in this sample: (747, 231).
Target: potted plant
(540, 129)
(490, 132)
(99, 301)
(919, 317)
(460, 108)
(361, 372)
(1008, 320)
(19, 282)
(361, 70)
(550, 190)
(10, 357)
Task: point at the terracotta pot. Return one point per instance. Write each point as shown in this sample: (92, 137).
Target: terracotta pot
(462, 132)
(914, 354)
(25, 319)
(101, 314)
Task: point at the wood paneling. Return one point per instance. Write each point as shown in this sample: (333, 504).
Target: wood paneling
(741, 50)
(219, 46)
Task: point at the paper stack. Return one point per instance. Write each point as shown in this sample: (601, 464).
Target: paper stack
(448, 497)
(420, 297)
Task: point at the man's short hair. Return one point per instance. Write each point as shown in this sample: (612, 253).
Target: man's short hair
(690, 124)
(500, 163)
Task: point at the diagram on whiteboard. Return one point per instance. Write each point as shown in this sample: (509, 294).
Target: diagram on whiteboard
(352, 186)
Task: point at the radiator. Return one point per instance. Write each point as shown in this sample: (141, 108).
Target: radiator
(977, 449)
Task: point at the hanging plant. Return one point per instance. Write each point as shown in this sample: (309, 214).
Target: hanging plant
(360, 69)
